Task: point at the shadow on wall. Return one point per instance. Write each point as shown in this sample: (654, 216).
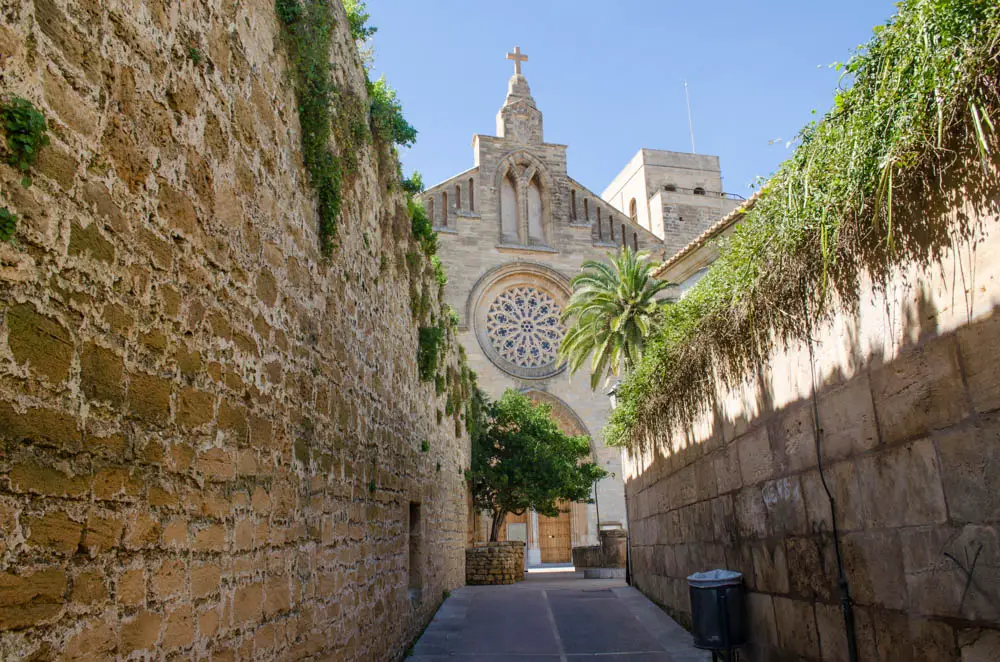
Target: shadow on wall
(909, 429)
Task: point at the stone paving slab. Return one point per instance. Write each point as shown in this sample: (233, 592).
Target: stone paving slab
(554, 617)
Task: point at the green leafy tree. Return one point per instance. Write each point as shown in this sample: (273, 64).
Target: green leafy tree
(522, 461)
(612, 311)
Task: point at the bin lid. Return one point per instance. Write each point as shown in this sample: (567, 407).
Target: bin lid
(714, 578)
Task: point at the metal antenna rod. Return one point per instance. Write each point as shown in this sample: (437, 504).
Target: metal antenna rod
(687, 96)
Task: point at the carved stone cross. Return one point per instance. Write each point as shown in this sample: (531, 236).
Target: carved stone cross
(518, 59)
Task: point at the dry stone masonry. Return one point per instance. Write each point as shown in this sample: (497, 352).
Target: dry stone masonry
(494, 563)
(213, 442)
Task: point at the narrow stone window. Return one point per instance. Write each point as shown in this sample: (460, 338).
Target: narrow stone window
(508, 210)
(600, 231)
(458, 196)
(472, 195)
(586, 211)
(572, 205)
(536, 234)
(670, 187)
(611, 224)
(699, 191)
(416, 539)
(624, 237)
(430, 209)
(444, 208)
(633, 211)
(635, 241)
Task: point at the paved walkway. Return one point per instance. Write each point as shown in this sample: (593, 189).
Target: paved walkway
(551, 617)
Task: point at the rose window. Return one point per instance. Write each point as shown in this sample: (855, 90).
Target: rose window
(524, 328)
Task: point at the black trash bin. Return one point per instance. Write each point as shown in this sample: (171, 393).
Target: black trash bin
(718, 610)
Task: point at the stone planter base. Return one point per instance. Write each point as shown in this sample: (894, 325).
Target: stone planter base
(494, 563)
(604, 561)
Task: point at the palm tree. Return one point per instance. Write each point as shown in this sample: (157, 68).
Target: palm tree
(612, 309)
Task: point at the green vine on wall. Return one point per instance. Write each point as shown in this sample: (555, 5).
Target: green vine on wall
(308, 29)
(330, 115)
(430, 340)
(27, 134)
(8, 224)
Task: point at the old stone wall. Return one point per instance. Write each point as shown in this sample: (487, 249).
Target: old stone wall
(213, 441)
(908, 406)
(494, 563)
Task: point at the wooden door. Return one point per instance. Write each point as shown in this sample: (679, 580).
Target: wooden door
(554, 538)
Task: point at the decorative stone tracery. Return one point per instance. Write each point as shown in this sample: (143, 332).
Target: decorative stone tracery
(515, 310)
(523, 327)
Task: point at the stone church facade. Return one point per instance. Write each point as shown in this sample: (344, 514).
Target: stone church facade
(513, 231)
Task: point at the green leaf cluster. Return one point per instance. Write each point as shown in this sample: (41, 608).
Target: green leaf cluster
(611, 312)
(421, 225)
(429, 342)
(357, 20)
(911, 134)
(387, 121)
(439, 274)
(8, 224)
(27, 134)
(522, 461)
(413, 184)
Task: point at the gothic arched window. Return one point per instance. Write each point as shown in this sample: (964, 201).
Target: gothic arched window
(444, 208)
(536, 233)
(472, 195)
(633, 211)
(508, 209)
(458, 196)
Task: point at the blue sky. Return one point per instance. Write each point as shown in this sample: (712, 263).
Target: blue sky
(609, 76)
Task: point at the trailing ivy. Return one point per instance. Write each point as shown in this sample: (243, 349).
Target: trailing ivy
(430, 340)
(27, 134)
(912, 136)
(331, 117)
(439, 274)
(8, 224)
(421, 225)
(308, 29)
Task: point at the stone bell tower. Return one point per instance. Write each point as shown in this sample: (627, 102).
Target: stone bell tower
(519, 119)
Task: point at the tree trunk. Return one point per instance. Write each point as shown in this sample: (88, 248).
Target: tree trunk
(498, 518)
